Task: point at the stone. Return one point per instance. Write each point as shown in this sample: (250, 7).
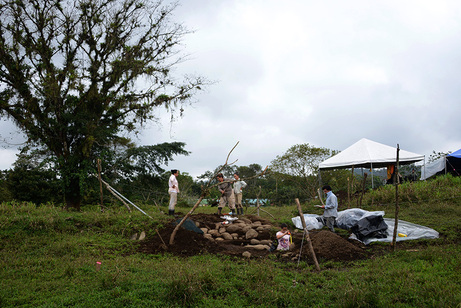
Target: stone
(213, 232)
(222, 230)
(142, 236)
(254, 241)
(251, 234)
(256, 224)
(205, 230)
(258, 247)
(227, 236)
(246, 254)
(134, 237)
(245, 229)
(245, 220)
(234, 228)
(208, 236)
(218, 239)
(265, 242)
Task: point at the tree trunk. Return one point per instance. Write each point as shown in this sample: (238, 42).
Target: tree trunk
(72, 193)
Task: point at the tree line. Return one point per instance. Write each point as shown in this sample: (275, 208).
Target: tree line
(140, 174)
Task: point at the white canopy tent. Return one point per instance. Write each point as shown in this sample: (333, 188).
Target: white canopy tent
(369, 154)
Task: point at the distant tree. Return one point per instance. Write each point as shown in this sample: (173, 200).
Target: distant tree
(138, 171)
(5, 194)
(299, 166)
(436, 155)
(32, 180)
(76, 75)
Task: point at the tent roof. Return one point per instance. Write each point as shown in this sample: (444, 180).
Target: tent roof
(456, 154)
(366, 153)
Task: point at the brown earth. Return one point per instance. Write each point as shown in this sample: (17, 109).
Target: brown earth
(327, 245)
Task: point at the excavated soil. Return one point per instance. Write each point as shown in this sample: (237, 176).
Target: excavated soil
(242, 243)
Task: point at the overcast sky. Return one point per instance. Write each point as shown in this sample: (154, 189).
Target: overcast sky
(327, 73)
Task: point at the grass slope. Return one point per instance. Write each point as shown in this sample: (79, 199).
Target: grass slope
(48, 259)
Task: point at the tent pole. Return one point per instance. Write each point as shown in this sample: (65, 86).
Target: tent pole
(445, 160)
(424, 167)
(372, 186)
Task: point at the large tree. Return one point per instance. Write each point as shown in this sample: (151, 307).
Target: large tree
(299, 166)
(76, 75)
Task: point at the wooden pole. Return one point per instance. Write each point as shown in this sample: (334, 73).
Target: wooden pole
(320, 197)
(348, 193)
(100, 185)
(173, 234)
(306, 232)
(363, 188)
(396, 183)
(257, 201)
(352, 181)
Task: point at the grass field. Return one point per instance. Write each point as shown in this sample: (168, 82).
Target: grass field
(48, 259)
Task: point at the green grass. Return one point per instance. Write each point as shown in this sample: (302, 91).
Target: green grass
(48, 259)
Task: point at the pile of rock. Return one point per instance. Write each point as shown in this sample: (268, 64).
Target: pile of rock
(254, 234)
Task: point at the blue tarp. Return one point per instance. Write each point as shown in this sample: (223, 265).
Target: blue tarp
(456, 154)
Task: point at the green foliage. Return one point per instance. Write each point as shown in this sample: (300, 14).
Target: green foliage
(440, 189)
(76, 76)
(298, 167)
(49, 259)
(436, 155)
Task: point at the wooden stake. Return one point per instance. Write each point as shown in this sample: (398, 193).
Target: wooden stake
(363, 188)
(308, 239)
(320, 197)
(100, 185)
(396, 183)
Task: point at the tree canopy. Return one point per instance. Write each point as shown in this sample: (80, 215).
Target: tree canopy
(76, 75)
(299, 165)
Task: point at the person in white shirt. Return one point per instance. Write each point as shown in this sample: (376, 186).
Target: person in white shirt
(283, 236)
(238, 186)
(173, 190)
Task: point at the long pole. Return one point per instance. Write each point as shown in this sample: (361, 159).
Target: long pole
(396, 183)
(100, 185)
(306, 232)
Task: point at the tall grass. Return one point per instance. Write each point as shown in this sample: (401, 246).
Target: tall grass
(440, 189)
(48, 259)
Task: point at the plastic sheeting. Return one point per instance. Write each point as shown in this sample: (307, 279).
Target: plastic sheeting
(350, 218)
(411, 230)
(312, 222)
(432, 168)
(189, 224)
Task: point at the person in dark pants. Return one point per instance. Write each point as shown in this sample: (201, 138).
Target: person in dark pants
(330, 208)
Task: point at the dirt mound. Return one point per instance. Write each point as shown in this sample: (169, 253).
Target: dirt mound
(330, 246)
(249, 236)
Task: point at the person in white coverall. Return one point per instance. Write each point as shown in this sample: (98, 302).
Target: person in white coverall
(173, 190)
